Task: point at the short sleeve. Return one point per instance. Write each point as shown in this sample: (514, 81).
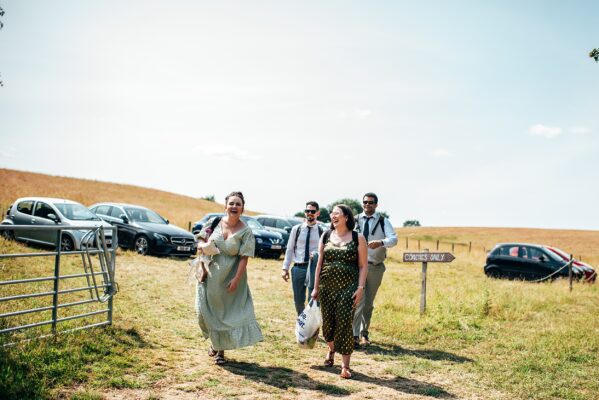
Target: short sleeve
(248, 244)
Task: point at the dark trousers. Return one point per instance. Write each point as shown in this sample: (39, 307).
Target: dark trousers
(298, 283)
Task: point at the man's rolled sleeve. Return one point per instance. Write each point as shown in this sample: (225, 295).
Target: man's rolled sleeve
(390, 239)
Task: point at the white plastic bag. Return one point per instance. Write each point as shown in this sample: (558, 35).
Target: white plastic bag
(308, 325)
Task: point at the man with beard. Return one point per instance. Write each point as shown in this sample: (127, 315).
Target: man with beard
(302, 251)
(379, 235)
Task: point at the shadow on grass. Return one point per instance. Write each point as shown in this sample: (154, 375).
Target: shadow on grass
(282, 378)
(404, 385)
(397, 351)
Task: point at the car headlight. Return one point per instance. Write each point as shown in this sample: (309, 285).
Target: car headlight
(161, 237)
(259, 240)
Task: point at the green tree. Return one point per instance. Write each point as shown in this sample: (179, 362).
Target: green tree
(594, 54)
(209, 197)
(411, 222)
(324, 216)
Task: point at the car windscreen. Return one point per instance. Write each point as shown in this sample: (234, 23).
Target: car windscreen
(558, 254)
(143, 215)
(76, 212)
(253, 224)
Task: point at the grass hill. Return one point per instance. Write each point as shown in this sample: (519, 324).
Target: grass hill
(480, 338)
(179, 209)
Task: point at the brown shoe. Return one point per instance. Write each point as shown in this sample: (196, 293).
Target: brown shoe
(364, 341)
(330, 360)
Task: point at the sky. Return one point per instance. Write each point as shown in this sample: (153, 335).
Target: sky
(456, 113)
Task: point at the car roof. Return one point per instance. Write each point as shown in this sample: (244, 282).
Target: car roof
(521, 244)
(273, 216)
(47, 199)
(118, 205)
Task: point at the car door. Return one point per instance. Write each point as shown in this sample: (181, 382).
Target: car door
(512, 262)
(531, 263)
(40, 218)
(126, 232)
(22, 216)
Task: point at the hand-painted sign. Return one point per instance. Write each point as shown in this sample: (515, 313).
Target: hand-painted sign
(428, 257)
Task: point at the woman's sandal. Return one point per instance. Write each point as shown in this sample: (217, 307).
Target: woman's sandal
(330, 360)
(220, 358)
(212, 352)
(345, 373)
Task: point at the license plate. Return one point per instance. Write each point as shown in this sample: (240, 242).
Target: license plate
(183, 248)
(276, 247)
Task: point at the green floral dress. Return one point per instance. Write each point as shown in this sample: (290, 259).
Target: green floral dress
(228, 319)
(338, 283)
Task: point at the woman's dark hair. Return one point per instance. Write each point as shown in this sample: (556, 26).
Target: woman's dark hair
(314, 204)
(347, 212)
(235, 194)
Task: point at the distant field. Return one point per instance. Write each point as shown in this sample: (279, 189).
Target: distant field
(480, 338)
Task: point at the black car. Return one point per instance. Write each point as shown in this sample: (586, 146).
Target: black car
(145, 231)
(527, 261)
(282, 225)
(268, 244)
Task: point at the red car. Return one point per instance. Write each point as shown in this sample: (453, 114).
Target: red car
(589, 273)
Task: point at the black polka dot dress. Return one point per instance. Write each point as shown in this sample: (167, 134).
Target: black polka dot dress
(338, 283)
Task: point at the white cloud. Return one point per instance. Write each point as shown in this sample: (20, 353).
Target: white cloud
(545, 131)
(441, 153)
(363, 113)
(226, 152)
(580, 130)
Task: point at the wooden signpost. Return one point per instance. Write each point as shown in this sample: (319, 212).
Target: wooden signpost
(426, 257)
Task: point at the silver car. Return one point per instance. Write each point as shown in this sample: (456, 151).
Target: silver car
(40, 211)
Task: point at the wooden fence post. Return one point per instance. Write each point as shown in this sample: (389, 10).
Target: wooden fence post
(406, 243)
(470, 247)
(189, 226)
(452, 247)
(437, 244)
(418, 244)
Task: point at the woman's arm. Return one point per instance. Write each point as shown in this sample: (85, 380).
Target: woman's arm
(241, 268)
(363, 266)
(318, 268)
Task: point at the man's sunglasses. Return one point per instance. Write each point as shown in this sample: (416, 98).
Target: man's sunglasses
(370, 202)
(310, 211)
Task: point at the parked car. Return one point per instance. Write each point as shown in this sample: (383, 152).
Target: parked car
(145, 231)
(528, 261)
(279, 224)
(590, 275)
(46, 211)
(268, 244)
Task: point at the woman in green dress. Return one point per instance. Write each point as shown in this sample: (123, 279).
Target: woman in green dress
(339, 283)
(223, 301)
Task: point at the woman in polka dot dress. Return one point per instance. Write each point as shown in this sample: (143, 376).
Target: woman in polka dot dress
(339, 283)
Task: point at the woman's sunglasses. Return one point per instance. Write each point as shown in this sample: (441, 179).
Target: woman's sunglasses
(310, 211)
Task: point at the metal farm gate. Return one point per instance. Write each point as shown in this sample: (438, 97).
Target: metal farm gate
(34, 298)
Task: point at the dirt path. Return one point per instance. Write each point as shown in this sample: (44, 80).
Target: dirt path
(156, 299)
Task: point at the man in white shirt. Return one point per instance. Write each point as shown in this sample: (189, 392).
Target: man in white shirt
(380, 235)
(302, 250)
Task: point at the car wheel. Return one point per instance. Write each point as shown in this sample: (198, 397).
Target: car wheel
(66, 243)
(142, 245)
(493, 273)
(8, 235)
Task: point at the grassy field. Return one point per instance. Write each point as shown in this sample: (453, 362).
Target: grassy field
(480, 338)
